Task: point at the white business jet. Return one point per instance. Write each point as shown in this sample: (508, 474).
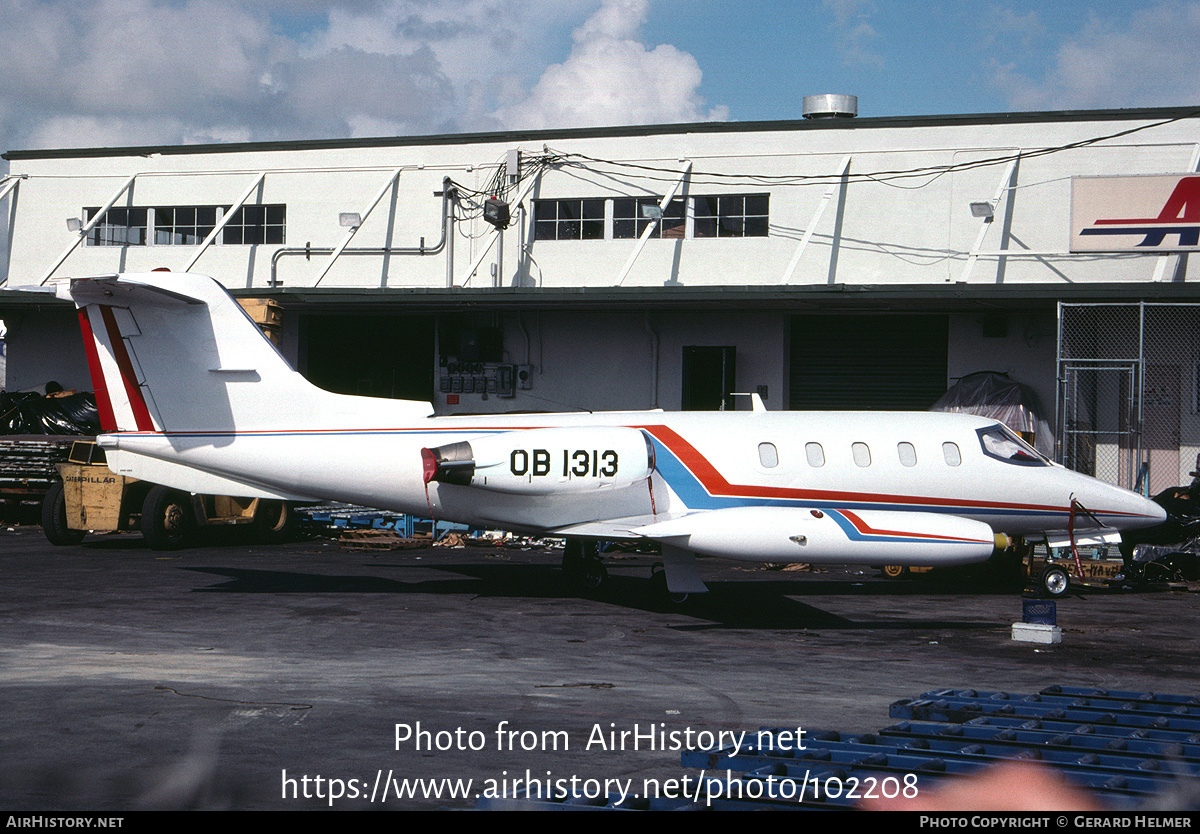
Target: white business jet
(193, 396)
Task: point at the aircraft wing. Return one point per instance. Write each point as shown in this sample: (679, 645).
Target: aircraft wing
(615, 528)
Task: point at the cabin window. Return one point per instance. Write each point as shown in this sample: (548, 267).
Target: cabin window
(768, 455)
(1001, 443)
(908, 453)
(816, 454)
(862, 454)
(953, 456)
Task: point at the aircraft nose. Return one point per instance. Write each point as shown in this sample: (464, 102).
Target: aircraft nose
(1134, 511)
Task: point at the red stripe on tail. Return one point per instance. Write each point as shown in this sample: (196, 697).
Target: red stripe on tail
(141, 414)
(108, 420)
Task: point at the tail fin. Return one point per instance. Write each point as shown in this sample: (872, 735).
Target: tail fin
(174, 352)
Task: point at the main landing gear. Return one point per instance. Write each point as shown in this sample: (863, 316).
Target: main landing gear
(582, 566)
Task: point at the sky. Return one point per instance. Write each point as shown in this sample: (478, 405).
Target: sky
(88, 73)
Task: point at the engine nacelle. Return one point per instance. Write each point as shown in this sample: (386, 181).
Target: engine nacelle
(863, 537)
(544, 461)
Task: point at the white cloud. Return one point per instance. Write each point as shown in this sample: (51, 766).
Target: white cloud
(612, 78)
(1144, 59)
(136, 72)
(853, 32)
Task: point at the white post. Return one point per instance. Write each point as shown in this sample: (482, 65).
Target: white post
(224, 221)
(653, 224)
(816, 218)
(354, 229)
(83, 232)
(986, 222)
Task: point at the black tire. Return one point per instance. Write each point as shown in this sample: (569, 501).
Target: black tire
(582, 567)
(896, 571)
(167, 519)
(1054, 582)
(275, 522)
(54, 518)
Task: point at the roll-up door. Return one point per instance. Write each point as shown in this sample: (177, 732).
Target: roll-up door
(867, 362)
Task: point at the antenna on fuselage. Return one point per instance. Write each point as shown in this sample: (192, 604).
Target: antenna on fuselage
(756, 403)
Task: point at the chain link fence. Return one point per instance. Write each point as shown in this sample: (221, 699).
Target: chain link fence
(1128, 394)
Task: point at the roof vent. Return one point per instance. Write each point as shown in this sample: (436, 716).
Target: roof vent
(830, 106)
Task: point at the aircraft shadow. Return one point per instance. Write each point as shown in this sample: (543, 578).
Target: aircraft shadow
(762, 604)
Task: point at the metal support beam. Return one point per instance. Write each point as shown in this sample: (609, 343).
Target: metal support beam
(354, 229)
(653, 224)
(491, 240)
(826, 198)
(83, 232)
(9, 184)
(985, 223)
(1160, 269)
(224, 221)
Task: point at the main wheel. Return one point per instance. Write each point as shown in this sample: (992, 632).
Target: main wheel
(167, 520)
(1054, 582)
(54, 518)
(895, 571)
(582, 567)
(274, 522)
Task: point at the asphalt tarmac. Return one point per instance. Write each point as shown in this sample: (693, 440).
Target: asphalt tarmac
(306, 676)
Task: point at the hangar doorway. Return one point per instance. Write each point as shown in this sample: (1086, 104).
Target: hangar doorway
(373, 356)
(709, 377)
(868, 362)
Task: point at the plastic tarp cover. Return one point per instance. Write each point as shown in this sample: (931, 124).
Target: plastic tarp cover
(991, 394)
(65, 412)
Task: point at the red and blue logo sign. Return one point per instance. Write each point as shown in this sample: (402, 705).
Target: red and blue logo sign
(1135, 213)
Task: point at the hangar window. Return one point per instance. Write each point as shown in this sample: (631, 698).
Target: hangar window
(732, 215)
(255, 224)
(568, 219)
(907, 452)
(768, 455)
(118, 227)
(862, 454)
(952, 454)
(184, 225)
(187, 225)
(816, 454)
(632, 215)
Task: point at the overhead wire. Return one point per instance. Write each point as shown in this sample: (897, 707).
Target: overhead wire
(884, 177)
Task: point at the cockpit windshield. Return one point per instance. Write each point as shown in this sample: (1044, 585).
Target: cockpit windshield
(1000, 442)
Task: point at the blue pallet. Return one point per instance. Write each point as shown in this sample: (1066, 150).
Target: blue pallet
(1126, 747)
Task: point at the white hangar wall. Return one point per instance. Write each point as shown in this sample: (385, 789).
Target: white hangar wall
(895, 194)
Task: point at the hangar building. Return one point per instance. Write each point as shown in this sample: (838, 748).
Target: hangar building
(825, 262)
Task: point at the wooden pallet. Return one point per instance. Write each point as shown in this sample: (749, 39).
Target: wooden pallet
(379, 540)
